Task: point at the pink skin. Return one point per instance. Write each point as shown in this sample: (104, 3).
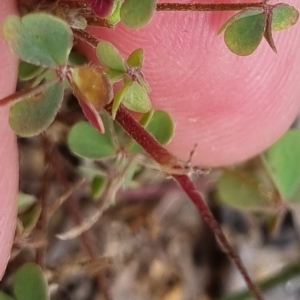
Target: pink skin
(8, 148)
(232, 107)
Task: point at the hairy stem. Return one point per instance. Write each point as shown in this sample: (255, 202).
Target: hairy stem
(163, 156)
(206, 6)
(67, 4)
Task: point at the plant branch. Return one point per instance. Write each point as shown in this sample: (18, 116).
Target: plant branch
(206, 6)
(85, 5)
(75, 212)
(43, 220)
(283, 275)
(163, 156)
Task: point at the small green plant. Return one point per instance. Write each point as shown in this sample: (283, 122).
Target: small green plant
(44, 41)
(29, 283)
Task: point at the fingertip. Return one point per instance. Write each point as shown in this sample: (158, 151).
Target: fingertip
(232, 107)
(8, 147)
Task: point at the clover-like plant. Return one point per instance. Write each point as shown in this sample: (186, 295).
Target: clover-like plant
(45, 61)
(43, 42)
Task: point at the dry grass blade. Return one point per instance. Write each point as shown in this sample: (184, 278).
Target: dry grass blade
(86, 225)
(61, 200)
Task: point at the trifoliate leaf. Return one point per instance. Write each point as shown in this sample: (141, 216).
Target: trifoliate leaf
(34, 114)
(85, 141)
(110, 57)
(244, 31)
(284, 16)
(282, 160)
(39, 38)
(137, 13)
(30, 283)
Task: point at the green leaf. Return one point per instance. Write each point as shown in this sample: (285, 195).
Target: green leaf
(39, 38)
(282, 160)
(28, 71)
(34, 114)
(268, 34)
(136, 98)
(137, 13)
(160, 126)
(146, 118)
(114, 18)
(30, 217)
(241, 190)
(119, 98)
(85, 141)
(113, 75)
(77, 59)
(136, 58)
(4, 296)
(141, 80)
(284, 16)
(25, 201)
(244, 31)
(97, 186)
(110, 57)
(30, 283)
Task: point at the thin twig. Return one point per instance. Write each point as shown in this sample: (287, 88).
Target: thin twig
(66, 4)
(73, 208)
(163, 156)
(43, 220)
(206, 6)
(283, 275)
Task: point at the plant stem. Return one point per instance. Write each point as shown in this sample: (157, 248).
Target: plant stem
(67, 4)
(206, 6)
(163, 156)
(43, 220)
(283, 275)
(73, 207)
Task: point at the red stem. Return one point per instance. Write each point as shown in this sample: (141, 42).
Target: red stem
(172, 6)
(163, 156)
(206, 6)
